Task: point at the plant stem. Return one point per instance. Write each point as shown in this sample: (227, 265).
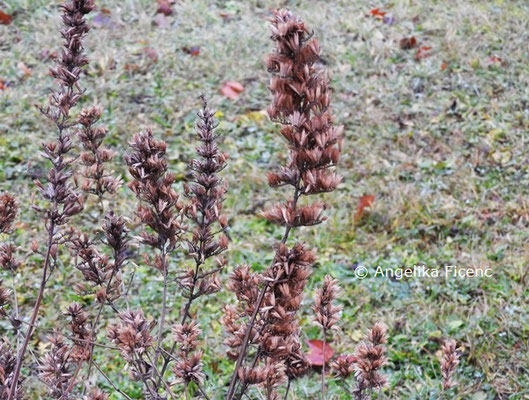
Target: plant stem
(34, 313)
(323, 366)
(111, 383)
(288, 389)
(164, 311)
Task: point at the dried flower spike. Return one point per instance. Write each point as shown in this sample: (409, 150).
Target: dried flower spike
(57, 189)
(449, 363)
(94, 158)
(369, 358)
(301, 99)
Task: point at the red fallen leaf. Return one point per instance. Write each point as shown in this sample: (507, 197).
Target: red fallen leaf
(24, 69)
(315, 355)
(494, 59)
(2, 84)
(422, 52)
(231, 89)
(408, 43)
(377, 13)
(164, 7)
(193, 50)
(366, 200)
(151, 53)
(5, 19)
(443, 66)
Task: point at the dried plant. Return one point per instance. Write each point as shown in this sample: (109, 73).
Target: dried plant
(62, 199)
(97, 180)
(369, 358)
(449, 363)
(206, 239)
(160, 210)
(301, 98)
(55, 368)
(7, 369)
(327, 315)
(8, 212)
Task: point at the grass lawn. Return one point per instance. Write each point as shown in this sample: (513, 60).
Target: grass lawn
(437, 134)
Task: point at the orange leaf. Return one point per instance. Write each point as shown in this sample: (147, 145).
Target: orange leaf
(422, 52)
(2, 84)
(5, 19)
(231, 89)
(377, 13)
(316, 356)
(24, 69)
(408, 43)
(365, 201)
(444, 65)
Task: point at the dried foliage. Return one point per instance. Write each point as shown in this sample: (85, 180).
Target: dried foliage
(449, 363)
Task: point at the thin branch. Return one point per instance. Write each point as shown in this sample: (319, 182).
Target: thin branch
(110, 382)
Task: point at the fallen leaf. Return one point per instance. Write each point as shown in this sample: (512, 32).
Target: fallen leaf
(193, 50)
(131, 67)
(495, 59)
(2, 84)
(105, 11)
(164, 7)
(422, 52)
(231, 89)
(365, 201)
(102, 20)
(5, 19)
(377, 13)
(315, 355)
(226, 16)
(24, 69)
(408, 43)
(443, 66)
(151, 53)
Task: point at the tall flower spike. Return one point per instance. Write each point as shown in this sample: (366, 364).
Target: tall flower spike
(301, 99)
(206, 239)
(63, 200)
(449, 363)
(152, 185)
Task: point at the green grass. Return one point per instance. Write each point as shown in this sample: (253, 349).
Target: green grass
(444, 151)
